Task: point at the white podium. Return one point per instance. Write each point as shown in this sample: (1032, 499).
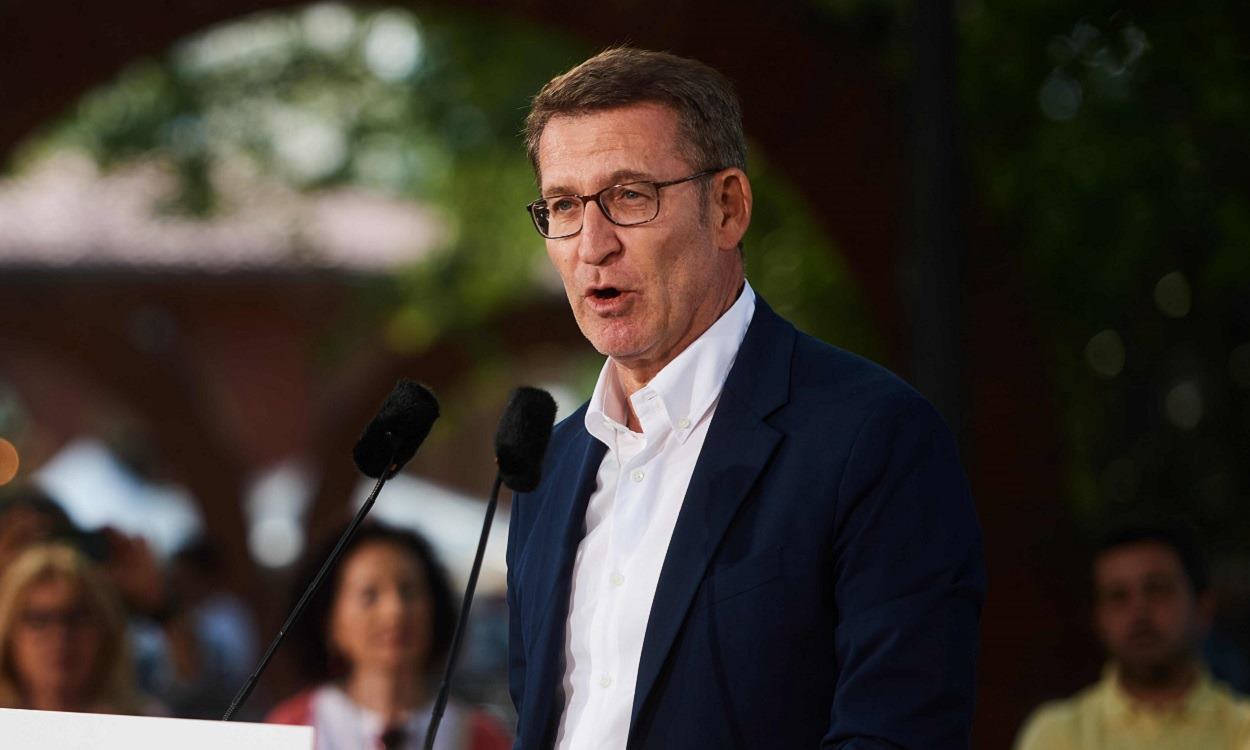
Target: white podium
(53, 730)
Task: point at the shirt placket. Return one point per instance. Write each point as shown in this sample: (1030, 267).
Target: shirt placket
(606, 665)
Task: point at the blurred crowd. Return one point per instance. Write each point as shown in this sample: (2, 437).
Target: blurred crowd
(94, 621)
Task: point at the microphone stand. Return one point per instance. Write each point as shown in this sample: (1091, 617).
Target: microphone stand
(346, 537)
(441, 704)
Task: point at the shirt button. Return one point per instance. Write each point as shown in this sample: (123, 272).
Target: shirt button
(683, 423)
(637, 476)
(617, 579)
(605, 681)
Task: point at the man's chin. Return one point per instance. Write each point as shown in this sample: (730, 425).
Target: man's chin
(614, 340)
(1155, 670)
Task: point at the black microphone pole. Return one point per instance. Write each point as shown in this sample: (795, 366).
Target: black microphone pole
(440, 705)
(346, 537)
(520, 444)
(390, 439)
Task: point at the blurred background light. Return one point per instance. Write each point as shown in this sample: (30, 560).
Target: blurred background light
(1183, 405)
(263, 41)
(1172, 295)
(1105, 353)
(310, 146)
(9, 461)
(392, 47)
(276, 542)
(276, 500)
(98, 490)
(328, 27)
(1060, 97)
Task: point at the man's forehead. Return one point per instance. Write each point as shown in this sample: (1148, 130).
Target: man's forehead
(1136, 560)
(638, 141)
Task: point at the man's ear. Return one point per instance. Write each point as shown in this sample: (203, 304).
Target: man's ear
(731, 207)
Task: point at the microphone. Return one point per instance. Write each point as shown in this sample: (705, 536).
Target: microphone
(520, 444)
(389, 441)
(521, 441)
(392, 437)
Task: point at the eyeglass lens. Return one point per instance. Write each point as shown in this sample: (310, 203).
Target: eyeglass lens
(39, 620)
(561, 216)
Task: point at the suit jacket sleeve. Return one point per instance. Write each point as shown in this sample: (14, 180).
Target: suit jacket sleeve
(909, 582)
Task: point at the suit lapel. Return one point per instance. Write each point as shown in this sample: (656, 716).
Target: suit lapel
(737, 449)
(560, 527)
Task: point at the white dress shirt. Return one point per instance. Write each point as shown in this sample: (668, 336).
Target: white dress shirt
(339, 724)
(630, 517)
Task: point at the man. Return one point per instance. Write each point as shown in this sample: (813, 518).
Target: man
(1150, 610)
(746, 538)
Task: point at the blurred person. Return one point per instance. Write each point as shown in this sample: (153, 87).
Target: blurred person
(29, 516)
(63, 640)
(375, 638)
(1151, 609)
(746, 537)
(209, 633)
(176, 640)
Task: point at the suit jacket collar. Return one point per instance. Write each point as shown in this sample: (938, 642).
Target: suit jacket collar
(559, 529)
(738, 446)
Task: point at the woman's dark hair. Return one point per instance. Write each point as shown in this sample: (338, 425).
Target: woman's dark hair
(310, 635)
(29, 497)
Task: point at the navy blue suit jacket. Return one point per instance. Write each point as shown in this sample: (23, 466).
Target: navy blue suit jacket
(824, 581)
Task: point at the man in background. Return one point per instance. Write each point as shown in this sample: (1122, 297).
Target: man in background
(1151, 609)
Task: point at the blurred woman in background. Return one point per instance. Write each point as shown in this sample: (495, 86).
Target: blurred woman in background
(62, 636)
(376, 638)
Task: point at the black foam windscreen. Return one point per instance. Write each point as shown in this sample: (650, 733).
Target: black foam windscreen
(521, 441)
(392, 437)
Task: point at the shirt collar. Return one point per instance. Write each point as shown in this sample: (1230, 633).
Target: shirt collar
(1124, 708)
(684, 390)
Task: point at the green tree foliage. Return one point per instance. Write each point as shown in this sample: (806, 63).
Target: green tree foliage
(1110, 150)
(425, 108)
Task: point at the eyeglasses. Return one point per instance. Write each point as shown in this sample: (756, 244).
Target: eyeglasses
(40, 621)
(559, 216)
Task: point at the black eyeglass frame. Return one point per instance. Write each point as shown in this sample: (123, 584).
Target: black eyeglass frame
(532, 207)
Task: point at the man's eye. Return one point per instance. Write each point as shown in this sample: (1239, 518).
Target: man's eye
(1160, 588)
(562, 205)
(1116, 596)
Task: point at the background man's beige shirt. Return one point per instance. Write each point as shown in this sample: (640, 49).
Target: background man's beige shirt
(1104, 717)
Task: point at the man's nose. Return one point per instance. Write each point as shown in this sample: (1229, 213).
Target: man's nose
(598, 239)
(1139, 605)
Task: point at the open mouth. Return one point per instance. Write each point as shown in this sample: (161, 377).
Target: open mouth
(610, 292)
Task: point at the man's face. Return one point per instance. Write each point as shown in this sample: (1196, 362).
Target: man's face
(642, 293)
(1146, 613)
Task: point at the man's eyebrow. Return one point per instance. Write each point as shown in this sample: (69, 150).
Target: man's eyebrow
(622, 176)
(619, 177)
